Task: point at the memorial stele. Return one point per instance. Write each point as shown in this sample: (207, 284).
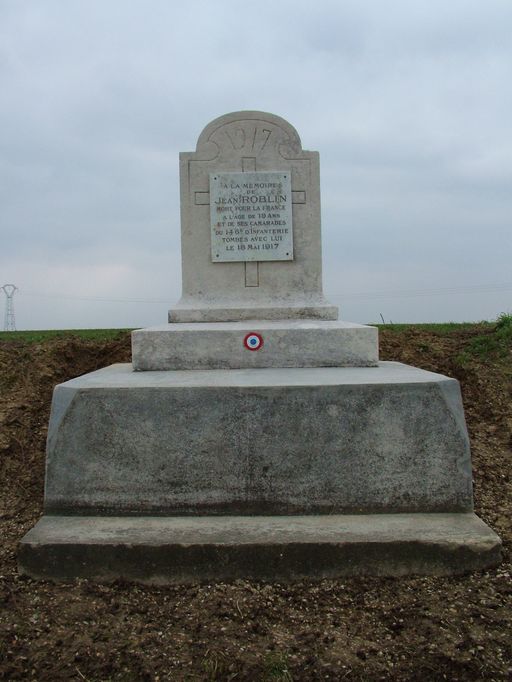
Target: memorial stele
(263, 151)
(255, 435)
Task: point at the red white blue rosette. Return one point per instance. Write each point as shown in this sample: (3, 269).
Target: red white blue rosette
(253, 341)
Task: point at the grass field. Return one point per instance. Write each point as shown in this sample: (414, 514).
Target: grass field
(437, 327)
(44, 334)
(35, 336)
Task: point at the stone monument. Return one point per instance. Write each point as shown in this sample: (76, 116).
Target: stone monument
(255, 435)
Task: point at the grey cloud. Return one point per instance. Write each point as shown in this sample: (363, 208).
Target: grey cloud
(408, 103)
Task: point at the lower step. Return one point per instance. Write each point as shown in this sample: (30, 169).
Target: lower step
(160, 550)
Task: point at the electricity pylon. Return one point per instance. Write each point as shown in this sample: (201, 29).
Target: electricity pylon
(9, 320)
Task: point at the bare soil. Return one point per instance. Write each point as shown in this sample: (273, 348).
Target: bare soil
(351, 629)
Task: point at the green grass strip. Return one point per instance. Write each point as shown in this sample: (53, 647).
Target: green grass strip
(36, 336)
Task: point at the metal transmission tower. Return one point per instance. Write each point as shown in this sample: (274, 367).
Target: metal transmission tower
(9, 320)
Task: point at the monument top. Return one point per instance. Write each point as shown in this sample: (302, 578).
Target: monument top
(250, 224)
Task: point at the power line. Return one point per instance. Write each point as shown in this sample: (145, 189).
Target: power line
(97, 298)
(399, 293)
(412, 293)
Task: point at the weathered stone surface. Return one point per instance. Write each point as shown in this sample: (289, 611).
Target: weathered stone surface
(287, 343)
(388, 439)
(222, 438)
(250, 141)
(305, 310)
(179, 550)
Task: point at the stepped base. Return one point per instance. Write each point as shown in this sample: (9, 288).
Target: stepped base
(159, 550)
(286, 343)
(386, 439)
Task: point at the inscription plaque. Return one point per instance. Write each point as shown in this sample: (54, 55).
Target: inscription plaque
(251, 216)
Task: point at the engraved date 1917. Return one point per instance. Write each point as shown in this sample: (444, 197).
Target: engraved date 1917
(253, 138)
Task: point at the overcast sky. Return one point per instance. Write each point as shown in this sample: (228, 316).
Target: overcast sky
(409, 103)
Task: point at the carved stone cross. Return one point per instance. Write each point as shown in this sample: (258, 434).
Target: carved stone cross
(250, 142)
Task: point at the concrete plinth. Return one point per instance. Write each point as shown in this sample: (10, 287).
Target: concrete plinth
(286, 343)
(194, 312)
(179, 550)
(380, 439)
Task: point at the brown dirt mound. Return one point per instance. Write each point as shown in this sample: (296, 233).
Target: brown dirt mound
(351, 629)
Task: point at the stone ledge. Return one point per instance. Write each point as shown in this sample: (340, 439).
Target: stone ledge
(287, 343)
(160, 550)
(248, 311)
(386, 439)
